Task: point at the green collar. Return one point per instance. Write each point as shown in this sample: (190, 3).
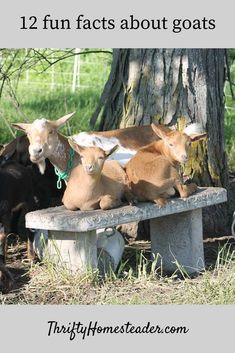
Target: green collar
(64, 175)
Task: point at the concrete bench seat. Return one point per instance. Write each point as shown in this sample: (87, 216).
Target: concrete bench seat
(176, 230)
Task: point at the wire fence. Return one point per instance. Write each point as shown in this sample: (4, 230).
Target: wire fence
(36, 83)
(73, 73)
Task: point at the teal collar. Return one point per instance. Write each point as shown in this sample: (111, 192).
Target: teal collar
(64, 175)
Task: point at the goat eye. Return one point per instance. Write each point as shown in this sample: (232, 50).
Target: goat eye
(171, 145)
(101, 158)
(51, 132)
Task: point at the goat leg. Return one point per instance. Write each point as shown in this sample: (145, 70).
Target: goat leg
(29, 235)
(30, 250)
(6, 279)
(186, 190)
(3, 245)
(161, 201)
(107, 202)
(129, 196)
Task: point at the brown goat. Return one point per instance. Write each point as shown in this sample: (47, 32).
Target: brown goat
(95, 183)
(153, 172)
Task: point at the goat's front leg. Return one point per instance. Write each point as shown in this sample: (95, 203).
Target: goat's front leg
(129, 196)
(6, 279)
(3, 245)
(29, 235)
(30, 250)
(161, 201)
(185, 190)
(108, 202)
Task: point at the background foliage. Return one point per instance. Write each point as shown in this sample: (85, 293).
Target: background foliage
(50, 83)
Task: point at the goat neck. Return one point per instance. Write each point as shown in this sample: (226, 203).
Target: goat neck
(91, 179)
(60, 155)
(160, 147)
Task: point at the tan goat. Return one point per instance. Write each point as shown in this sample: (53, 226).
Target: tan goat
(95, 183)
(153, 172)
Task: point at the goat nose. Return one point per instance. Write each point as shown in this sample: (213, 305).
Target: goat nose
(37, 150)
(184, 157)
(90, 167)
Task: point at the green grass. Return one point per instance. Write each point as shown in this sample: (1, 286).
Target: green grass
(50, 105)
(137, 281)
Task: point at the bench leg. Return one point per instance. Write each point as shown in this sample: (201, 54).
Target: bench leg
(178, 238)
(77, 251)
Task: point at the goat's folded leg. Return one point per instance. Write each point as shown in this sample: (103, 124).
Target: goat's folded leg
(186, 190)
(129, 196)
(162, 200)
(108, 202)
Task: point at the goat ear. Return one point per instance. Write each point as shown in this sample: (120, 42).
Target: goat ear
(108, 153)
(160, 131)
(21, 126)
(75, 146)
(61, 121)
(198, 137)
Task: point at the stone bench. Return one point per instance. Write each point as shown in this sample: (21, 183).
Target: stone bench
(176, 230)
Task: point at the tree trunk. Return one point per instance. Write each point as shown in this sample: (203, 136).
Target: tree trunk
(174, 87)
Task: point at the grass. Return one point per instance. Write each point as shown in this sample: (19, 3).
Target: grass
(136, 282)
(50, 105)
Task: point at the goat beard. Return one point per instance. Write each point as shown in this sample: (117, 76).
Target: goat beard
(42, 166)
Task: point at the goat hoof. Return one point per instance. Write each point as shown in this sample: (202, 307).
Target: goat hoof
(193, 187)
(133, 202)
(161, 202)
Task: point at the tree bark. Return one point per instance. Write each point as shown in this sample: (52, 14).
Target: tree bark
(175, 87)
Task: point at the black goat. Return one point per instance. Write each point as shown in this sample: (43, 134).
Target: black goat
(22, 189)
(16, 195)
(45, 188)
